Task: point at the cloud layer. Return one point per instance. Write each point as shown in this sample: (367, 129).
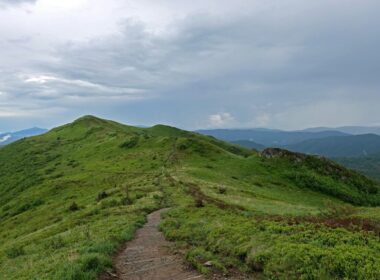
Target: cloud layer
(285, 64)
(16, 2)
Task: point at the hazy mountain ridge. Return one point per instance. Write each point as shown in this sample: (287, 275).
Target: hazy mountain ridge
(341, 146)
(355, 130)
(249, 144)
(9, 137)
(358, 152)
(268, 137)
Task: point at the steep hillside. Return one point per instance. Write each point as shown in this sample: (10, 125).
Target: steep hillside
(369, 165)
(347, 146)
(71, 197)
(268, 137)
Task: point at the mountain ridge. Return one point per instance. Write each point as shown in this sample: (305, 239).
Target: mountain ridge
(9, 137)
(340, 146)
(355, 130)
(71, 197)
(268, 137)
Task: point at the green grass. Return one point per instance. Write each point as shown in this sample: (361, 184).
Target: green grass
(273, 249)
(43, 176)
(71, 197)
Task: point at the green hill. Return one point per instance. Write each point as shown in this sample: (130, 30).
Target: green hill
(71, 197)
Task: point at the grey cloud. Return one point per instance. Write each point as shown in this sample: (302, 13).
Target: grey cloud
(16, 2)
(293, 56)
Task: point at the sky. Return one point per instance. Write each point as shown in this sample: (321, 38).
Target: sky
(287, 64)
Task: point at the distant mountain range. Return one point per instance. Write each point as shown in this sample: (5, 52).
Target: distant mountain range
(354, 130)
(9, 137)
(353, 146)
(339, 146)
(249, 144)
(268, 137)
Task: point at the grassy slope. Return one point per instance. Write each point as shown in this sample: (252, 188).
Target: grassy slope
(369, 165)
(42, 176)
(145, 169)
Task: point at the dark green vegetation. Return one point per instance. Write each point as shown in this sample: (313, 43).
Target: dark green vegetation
(341, 146)
(369, 165)
(70, 197)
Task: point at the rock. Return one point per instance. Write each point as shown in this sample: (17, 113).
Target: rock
(281, 153)
(208, 263)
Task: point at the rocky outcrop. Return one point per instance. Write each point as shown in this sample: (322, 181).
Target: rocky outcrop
(281, 153)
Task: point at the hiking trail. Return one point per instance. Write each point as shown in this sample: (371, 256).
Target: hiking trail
(149, 257)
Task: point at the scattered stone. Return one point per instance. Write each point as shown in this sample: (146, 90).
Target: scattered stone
(208, 263)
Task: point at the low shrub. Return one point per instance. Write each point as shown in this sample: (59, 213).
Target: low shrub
(55, 243)
(101, 195)
(15, 251)
(73, 207)
(130, 143)
(222, 189)
(276, 249)
(338, 211)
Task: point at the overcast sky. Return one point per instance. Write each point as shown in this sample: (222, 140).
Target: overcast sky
(286, 64)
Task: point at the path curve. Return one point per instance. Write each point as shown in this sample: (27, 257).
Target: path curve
(149, 257)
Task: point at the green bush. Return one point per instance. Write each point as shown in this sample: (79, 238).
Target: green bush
(222, 189)
(15, 251)
(130, 143)
(73, 206)
(101, 195)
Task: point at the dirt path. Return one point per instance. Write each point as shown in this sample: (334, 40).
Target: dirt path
(148, 257)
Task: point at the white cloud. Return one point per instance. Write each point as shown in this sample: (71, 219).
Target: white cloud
(49, 82)
(5, 138)
(220, 119)
(16, 2)
(262, 120)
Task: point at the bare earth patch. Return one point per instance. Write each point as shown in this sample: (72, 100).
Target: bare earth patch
(149, 257)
